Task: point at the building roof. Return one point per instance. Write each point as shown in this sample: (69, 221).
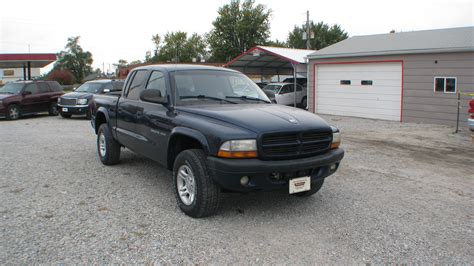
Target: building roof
(20, 60)
(413, 42)
(269, 60)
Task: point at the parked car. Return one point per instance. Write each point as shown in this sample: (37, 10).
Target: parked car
(261, 84)
(195, 121)
(29, 97)
(78, 101)
(285, 93)
(303, 82)
(470, 120)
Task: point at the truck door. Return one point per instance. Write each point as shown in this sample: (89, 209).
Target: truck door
(154, 121)
(127, 110)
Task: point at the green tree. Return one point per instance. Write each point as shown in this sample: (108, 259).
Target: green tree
(238, 27)
(177, 47)
(276, 43)
(156, 39)
(122, 63)
(324, 35)
(75, 59)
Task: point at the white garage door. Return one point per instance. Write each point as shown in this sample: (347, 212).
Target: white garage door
(370, 90)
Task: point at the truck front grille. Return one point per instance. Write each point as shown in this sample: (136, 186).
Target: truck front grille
(281, 146)
(67, 101)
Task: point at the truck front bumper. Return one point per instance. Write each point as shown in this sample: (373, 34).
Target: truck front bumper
(73, 110)
(271, 175)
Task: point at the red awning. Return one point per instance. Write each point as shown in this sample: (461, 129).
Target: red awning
(20, 60)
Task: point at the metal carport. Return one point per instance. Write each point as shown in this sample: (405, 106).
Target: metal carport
(266, 60)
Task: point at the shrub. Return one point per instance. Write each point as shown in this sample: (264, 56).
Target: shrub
(64, 77)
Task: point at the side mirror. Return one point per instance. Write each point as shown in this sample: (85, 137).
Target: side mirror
(26, 93)
(153, 96)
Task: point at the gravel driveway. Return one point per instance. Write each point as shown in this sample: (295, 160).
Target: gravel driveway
(404, 193)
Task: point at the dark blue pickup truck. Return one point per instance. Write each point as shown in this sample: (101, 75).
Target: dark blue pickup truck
(217, 131)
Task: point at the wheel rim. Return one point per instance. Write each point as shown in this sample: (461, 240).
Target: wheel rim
(14, 112)
(186, 184)
(102, 146)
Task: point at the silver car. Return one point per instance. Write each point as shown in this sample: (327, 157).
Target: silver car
(285, 93)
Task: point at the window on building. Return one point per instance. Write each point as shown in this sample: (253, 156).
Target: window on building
(345, 82)
(366, 82)
(445, 84)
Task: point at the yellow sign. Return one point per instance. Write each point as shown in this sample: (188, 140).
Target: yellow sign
(8, 72)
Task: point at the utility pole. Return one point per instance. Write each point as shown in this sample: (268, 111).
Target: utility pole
(308, 32)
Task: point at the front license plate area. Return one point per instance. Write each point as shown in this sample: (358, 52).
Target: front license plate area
(65, 110)
(300, 184)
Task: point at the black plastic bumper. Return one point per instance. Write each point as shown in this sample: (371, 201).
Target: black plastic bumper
(73, 110)
(271, 175)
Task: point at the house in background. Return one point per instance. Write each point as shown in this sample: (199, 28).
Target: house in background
(406, 76)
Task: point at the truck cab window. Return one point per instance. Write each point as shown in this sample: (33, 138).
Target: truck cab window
(136, 83)
(157, 82)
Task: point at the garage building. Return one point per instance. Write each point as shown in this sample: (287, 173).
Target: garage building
(406, 76)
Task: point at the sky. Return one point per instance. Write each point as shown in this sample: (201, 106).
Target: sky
(113, 30)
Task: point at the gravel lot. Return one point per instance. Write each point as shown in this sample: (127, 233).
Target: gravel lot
(404, 193)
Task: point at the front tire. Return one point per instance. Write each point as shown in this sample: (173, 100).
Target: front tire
(196, 193)
(107, 147)
(315, 187)
(304, 103)
(13, 112)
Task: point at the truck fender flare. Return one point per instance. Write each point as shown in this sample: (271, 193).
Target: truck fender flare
(102, 110)
(192, 134)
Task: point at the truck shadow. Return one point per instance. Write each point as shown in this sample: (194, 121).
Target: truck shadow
(272, 204)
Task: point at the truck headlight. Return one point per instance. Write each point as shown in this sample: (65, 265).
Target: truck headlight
(245, 148)
(336, 138)
(59, 100)
(81, 101)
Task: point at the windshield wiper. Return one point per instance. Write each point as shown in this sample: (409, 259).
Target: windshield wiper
(247, 98)
(206, 97)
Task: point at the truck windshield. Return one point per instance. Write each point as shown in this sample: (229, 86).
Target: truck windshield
(11, 88)
(89, 87)
(215, 87)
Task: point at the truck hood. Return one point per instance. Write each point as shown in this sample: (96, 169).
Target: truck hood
(260, 118)
(78, 95)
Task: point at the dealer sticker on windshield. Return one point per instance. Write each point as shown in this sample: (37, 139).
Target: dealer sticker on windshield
(300, 184)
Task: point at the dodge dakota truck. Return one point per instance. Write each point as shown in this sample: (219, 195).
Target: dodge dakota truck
(217, 131)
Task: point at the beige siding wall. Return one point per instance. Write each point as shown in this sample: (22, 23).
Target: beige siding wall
(420, 102)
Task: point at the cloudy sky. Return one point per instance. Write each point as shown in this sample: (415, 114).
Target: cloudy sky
(112, 30)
